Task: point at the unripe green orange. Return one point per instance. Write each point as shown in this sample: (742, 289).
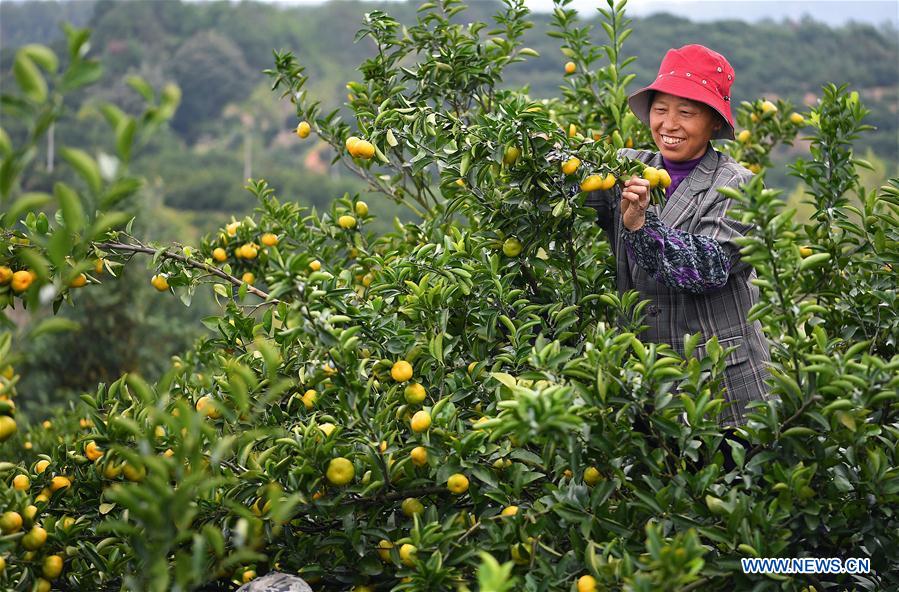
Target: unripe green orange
(512, 247)
(592, 476)
(411, 506)
(415, 394)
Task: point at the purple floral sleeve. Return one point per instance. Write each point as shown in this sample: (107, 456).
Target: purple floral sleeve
(692, 263)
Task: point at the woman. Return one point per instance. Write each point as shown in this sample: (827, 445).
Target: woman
(683, 257)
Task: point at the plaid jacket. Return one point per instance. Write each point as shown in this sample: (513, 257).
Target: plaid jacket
(685, 261)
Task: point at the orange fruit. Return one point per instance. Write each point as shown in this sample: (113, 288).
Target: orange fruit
(8, 427)
(362, 149)
(78, 281)
(401, 371)
(35, 538)
(10, 522)
(160, 282)
(340, 471)
(411, 506)
(133, 473)
(608, 182)
(457, 483)
(21, 280)
(303, 129)
(249, 251)
(571, 165)
(60, 482)
(407, 554)
(592, 476)
(384, 548)
(592, 183)
(570, 67)
(419, 456)
(510, 156)
(586, 584)
(309, 398)
(415, 393)
(52, 567)
(92, 451)
(421, 421)
(204, 407)
(21, 482)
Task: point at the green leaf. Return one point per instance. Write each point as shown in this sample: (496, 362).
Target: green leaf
(493, 577)
(113, 114)
(813, 261)
(5, 144)
(70, 204)
(106, 222)
(142, 87)
(124, 137)
(54, 325)
(59, 246)
(41, 55)
(29, 78)
(26, 203)
(506, 379)
(81, 74)
(84, 165)
(76, 39)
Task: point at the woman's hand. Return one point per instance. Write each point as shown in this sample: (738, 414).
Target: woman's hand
(634, 201)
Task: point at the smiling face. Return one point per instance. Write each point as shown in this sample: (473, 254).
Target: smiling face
(681, 128)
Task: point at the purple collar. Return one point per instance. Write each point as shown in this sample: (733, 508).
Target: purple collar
(680, 170)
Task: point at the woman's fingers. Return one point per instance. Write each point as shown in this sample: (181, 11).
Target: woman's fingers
(636, 191)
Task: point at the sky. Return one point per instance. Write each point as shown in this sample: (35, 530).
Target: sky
(832, 12)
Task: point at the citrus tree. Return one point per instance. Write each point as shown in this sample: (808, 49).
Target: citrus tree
(451, 405)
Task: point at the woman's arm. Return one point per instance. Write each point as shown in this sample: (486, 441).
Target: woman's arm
(691, 262)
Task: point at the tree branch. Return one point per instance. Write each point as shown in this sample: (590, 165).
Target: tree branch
(187, 261)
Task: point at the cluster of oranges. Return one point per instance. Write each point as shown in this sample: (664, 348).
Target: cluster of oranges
(8, 426)
(247, 251)
(22, 516)
(19, 280)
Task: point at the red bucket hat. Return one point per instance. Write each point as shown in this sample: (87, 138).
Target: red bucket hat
(694, 72)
